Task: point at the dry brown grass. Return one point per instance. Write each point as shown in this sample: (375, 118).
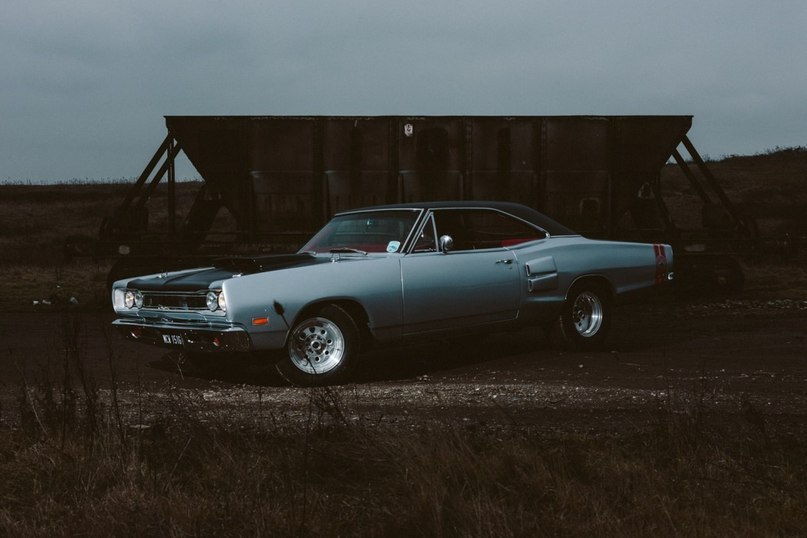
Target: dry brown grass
(35, 222)
(30, 286)
(768, 187)
(773, 281)
(336, 474)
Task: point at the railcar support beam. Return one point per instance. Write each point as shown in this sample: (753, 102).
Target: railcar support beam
(718, 190)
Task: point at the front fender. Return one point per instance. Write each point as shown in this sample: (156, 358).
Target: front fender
(372, 282)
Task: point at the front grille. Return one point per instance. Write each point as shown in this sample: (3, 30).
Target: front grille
(175, 301)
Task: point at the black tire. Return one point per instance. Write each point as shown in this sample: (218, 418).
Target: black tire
(586, 317)
(322, 348)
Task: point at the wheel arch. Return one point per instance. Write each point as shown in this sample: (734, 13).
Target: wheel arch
(353, 308)
(600, 282)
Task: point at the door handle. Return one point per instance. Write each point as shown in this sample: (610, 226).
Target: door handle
(506, 262)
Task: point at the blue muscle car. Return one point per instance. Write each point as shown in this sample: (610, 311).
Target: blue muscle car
(393, 273)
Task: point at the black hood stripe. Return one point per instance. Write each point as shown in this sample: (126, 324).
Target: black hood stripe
(224, 268)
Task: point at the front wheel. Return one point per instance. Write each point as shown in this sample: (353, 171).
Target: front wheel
(321, 348)
(586, 317)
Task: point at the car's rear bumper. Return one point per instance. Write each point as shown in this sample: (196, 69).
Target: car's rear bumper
(181, 336)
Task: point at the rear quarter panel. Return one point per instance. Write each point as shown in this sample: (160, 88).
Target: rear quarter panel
(628, 267)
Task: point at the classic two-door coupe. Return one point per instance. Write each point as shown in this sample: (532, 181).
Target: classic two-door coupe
(393, 273)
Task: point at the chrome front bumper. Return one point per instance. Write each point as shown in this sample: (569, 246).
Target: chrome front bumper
(207, 339)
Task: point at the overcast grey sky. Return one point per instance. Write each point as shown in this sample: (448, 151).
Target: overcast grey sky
(84, 85)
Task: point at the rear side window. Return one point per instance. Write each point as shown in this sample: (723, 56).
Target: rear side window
(475, 229)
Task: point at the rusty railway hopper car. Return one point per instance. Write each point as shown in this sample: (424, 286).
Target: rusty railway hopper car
(276, 179)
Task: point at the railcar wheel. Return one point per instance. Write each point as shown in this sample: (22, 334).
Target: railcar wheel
(586, 317)
(321, 348)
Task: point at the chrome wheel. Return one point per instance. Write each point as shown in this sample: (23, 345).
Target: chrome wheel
(322, 348)
(587, 314)
(317, 346)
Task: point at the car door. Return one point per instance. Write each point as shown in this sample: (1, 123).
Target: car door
(475, 283)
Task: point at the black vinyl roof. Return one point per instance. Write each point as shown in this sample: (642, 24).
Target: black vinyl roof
(520, 211)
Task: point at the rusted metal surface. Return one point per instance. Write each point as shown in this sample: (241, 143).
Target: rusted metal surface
(289, 174)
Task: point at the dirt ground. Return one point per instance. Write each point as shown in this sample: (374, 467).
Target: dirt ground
(743, 358)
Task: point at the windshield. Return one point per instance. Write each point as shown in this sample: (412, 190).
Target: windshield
(368, 231)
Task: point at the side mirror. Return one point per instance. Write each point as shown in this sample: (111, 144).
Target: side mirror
(446, 243)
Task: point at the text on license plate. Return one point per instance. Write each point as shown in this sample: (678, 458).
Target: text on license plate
(172, 339)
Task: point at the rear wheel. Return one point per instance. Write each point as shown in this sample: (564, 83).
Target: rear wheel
(586, 317)
(321, 349)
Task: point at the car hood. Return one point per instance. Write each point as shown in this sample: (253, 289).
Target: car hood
(223, 269)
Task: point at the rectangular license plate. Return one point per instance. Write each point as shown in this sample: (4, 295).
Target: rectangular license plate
(172, 339)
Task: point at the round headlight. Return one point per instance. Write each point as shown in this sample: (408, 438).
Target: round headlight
(212, 300)
(222, 302)
(133, 299)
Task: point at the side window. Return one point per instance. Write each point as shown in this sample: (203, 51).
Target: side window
(474, 229)
(427, 242)
(453, 222)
